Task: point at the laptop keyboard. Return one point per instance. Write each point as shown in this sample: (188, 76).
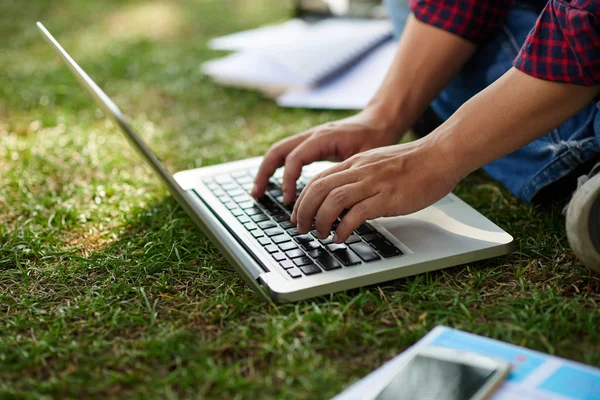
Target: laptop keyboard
(268, 220)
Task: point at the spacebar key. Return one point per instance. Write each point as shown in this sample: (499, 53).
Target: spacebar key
(386, 248)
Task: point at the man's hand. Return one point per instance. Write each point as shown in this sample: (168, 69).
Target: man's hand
(391, 181)
(332, 141)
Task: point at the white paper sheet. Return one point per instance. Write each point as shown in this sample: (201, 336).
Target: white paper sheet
(311, 52)
(352, 89)
(534, 375)
(253, 71)
(260, 37)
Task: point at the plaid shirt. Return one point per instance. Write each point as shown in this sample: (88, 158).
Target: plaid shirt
(563, 46)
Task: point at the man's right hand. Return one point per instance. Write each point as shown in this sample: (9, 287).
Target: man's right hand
(335, 141)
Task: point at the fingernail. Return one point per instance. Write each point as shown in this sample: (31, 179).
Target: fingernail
(300, 229)
(321, 235)
(293, 217)
(253, 193)
(336, 239)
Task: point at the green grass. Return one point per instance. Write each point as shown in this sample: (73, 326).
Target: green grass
(107, 289)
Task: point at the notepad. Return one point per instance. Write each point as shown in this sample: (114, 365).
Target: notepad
(350, 90)
(534, 375)
(297, 55)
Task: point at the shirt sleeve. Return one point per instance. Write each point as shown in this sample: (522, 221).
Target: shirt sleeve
(564, 44)
(474, 20)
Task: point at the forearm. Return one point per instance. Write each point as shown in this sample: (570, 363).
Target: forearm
(514, 111)
(426, 60)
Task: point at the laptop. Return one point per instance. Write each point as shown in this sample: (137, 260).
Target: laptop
(260, 242)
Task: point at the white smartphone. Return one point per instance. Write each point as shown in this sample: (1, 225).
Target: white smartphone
(439, 373)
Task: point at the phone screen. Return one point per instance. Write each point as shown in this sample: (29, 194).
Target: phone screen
(426, 378)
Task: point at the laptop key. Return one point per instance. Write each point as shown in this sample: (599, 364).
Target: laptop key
(300, 261)
(230, 205)
(222, 179)
(294, 253)
(364, 251)
(273, 232)
(243, 218)
(248, 186)
(243, 180)
(257, 233)
(287, 224)
(264, 241)
(242, 198)
(236, 192)
(218, 192)
(310, 269)
(293, 232)
(280, 239)
(294, 273)
(259, 218)
(253, 210)
(269, 205)
(316, 253)
(279, 256)
(250, 226)
(271, 248)
(364, 229)
(281, 218)
(288, 246)
(386, 248)
(237, 212)
(303, 239)
(327, 262)
(266, 224)
(346, 257)
(352, 239)
(336, 247)
(287, 264)
(327, 241)
(245, 205)
(229, 186)
(311, 245)
(369, 237)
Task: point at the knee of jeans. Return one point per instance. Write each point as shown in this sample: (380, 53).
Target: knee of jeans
(398, 12)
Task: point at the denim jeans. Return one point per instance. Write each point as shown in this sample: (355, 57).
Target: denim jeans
(542, 162)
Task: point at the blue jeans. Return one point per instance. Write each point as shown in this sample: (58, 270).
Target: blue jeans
(542, 162)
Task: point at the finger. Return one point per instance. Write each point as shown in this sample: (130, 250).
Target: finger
(339, 199)
(306, 153)
(274, 159)
(332, 170)
(316, 194)
(367, 209)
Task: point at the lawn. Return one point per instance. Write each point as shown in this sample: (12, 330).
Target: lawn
(107, 289)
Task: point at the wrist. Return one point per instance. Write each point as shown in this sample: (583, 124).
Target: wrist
(390, 120)
(448, 147)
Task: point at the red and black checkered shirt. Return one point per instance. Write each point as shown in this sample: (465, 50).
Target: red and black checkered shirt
(563, 46)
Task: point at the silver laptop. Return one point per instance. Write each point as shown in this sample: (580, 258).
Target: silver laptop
(259, 240)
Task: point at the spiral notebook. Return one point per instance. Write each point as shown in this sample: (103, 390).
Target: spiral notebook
(295, 55)
(350, 90)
